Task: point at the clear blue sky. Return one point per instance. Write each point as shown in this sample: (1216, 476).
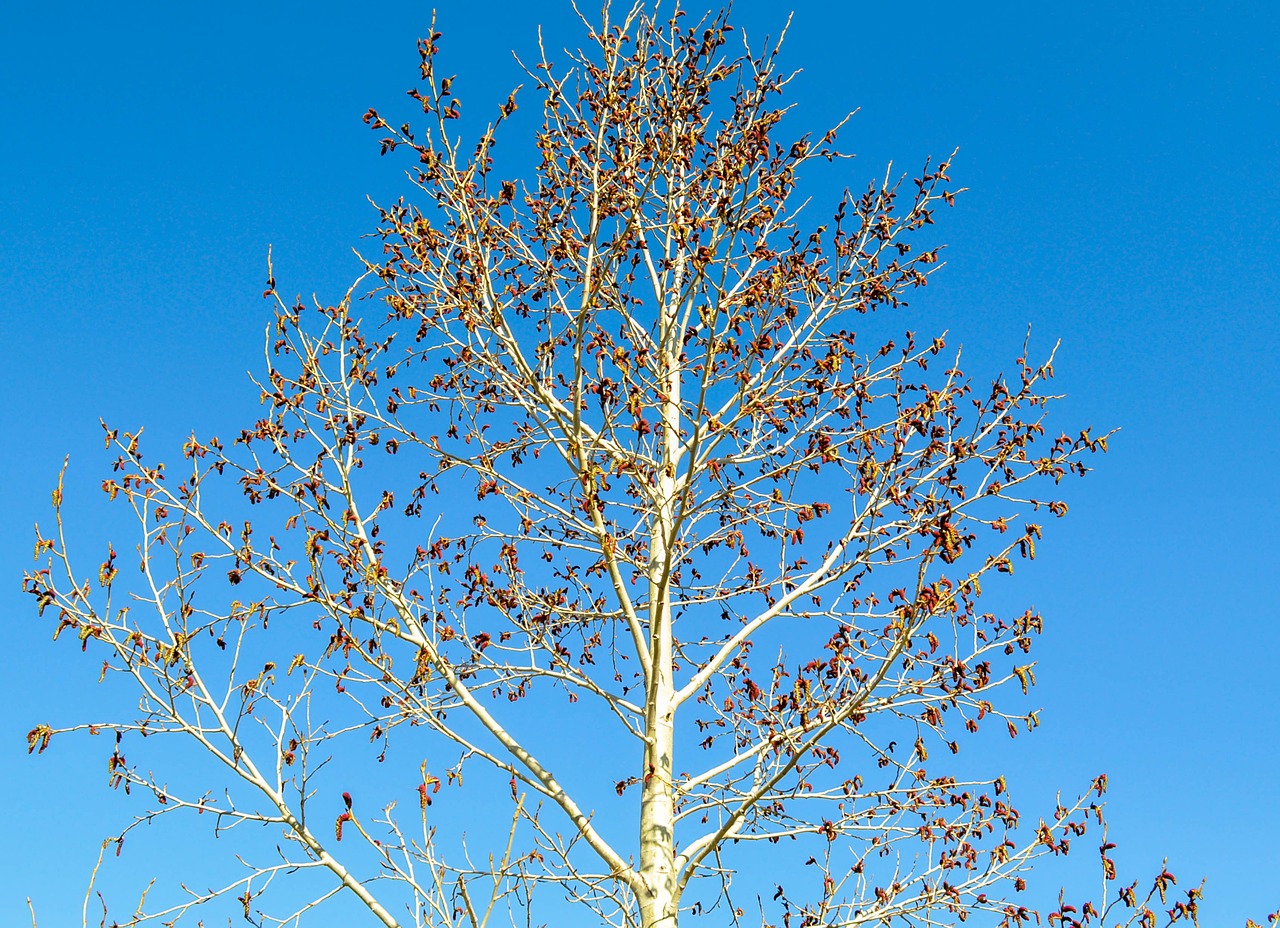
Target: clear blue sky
(1123, 161)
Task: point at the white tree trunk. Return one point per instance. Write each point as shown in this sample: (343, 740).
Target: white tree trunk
(659, 900)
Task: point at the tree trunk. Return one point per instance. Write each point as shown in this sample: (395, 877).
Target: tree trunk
(658, 902)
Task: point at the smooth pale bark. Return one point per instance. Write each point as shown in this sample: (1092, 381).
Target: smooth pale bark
(658, 893)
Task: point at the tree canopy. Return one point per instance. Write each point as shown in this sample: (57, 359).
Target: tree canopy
(613, 501)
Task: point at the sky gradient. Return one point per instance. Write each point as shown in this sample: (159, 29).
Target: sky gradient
(1123, 197)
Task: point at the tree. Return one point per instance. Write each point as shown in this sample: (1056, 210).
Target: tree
(730, 526)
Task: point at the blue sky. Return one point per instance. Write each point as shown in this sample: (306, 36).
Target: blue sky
(1124, 197)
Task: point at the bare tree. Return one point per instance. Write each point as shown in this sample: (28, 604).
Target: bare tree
(634, 499)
